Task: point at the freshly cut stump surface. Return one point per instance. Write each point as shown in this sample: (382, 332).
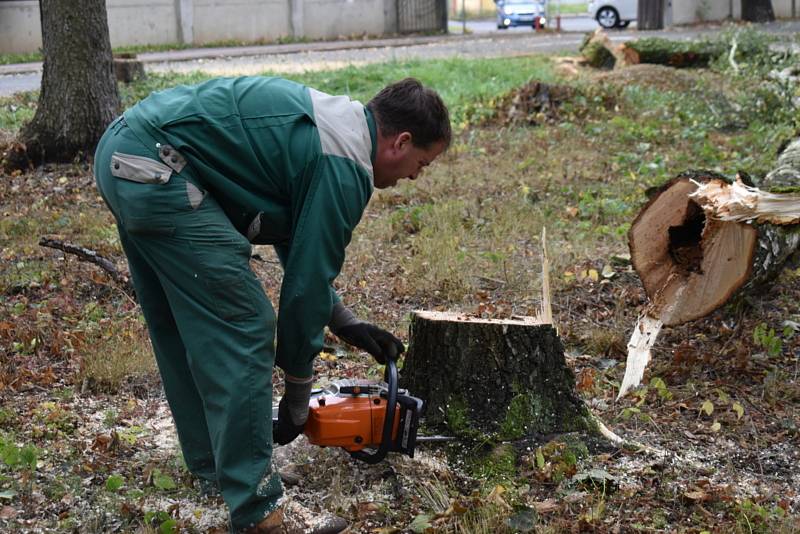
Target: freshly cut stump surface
(689, 265)
(505, 376)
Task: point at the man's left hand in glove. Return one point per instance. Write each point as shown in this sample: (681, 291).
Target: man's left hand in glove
(381, 344)
(293, 409)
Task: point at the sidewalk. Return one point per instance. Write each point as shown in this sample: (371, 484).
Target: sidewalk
(259, 50)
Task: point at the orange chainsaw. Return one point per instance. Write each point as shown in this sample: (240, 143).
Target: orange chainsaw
(358, 415)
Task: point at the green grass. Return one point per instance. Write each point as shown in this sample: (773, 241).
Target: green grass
(568, 9)
(468, 86)
(469, 97)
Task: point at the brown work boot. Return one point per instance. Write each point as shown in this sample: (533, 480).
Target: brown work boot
(293, 518)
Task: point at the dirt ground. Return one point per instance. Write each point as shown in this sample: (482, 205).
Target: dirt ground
(714, 430)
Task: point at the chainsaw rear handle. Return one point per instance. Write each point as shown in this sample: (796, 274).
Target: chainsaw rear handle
(388, 421)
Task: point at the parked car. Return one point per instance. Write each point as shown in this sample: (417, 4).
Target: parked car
(613, 13)
(520, 13)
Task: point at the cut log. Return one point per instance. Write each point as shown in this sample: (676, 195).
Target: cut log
(693, 249)
(701, 239)
(689, 265)
(506, 378)
(680, 54)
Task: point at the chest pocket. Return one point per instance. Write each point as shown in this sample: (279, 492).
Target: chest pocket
(139, 169)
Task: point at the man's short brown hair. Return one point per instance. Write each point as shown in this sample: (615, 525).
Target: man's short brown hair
(408, 106)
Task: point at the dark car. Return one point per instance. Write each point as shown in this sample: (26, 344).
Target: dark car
(520, 13)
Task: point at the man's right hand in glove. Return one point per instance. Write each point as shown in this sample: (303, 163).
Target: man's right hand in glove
(381, 344)
(293, 409)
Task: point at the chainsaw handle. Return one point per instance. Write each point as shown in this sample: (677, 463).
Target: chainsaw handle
(388, 421)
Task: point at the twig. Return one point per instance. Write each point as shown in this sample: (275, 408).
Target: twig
(90, 256)
(731, 55)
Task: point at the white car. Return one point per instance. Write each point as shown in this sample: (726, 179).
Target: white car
(613, 13)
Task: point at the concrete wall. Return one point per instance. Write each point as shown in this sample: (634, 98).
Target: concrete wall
(137, 22)
(691, 11)
(331, 18)
(20, 28)
(240, 20)
(140, 22)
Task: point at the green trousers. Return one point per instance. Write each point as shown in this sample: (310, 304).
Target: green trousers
(211, 324)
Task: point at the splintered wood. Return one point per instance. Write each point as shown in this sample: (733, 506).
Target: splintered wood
(644, 336)
(742, 203)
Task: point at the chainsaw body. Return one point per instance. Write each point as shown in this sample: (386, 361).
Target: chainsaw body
(359, 415)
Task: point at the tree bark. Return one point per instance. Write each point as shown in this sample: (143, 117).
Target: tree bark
(757, 10)
(691, 260)
(650, 15)
(506, 378)
(79, 97)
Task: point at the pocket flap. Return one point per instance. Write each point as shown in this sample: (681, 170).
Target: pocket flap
(139, 169)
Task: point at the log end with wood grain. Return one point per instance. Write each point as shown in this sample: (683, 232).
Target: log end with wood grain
(701, 237)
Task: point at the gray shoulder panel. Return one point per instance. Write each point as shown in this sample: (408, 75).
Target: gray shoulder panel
(343, 129)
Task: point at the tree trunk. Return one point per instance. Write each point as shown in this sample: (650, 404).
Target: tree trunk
(650, 15)
(757, 10)
(693, 253)
(506, 378)
(679, 54)
(79, 95)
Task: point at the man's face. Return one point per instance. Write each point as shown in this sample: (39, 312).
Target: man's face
(399, 158)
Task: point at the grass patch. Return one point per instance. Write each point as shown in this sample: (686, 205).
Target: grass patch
(469, 99)
(580, 8)
(116, 353)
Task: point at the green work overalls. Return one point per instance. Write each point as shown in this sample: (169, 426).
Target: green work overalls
(193, 176)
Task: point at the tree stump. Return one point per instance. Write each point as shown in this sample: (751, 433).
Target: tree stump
(127, 68)
(505, 378)
(601, 53)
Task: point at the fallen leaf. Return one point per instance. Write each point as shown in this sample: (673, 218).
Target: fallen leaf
(496, 497)
(698, 495)
(7, 512)
(366, 509)
(546, 506)
(420, 524)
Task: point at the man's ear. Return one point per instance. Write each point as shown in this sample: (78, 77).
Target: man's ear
(402, 140)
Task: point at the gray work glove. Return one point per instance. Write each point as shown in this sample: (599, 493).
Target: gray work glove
(381, 344)
(292, 410)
